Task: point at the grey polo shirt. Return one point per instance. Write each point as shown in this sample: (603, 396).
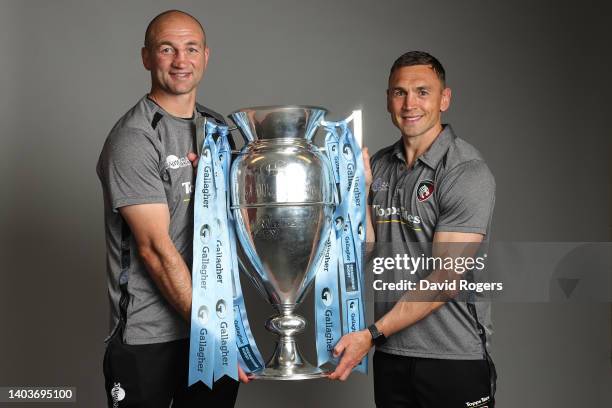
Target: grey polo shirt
(144, 161)
(449, 188)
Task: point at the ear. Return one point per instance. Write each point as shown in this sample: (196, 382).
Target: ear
(146, 58)
(388, 101)
(206, 54)
(446, 98)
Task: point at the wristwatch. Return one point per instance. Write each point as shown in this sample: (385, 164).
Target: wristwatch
(378, 338)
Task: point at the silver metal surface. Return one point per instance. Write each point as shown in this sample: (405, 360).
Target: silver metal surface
(282, 198)
(273, 122)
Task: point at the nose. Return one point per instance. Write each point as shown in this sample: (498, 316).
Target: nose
(409, 101)
(180, 58)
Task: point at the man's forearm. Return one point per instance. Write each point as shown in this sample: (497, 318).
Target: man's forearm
(414, 306)
(405, 314)
(170, 274)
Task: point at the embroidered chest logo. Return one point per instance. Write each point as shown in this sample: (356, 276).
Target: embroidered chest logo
(174, 162)
(380, 185)
(424, 190)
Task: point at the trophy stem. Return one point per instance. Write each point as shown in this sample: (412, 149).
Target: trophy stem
(287, 362)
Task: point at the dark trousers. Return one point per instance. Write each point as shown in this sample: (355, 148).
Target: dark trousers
(154, 375)
(411, 382)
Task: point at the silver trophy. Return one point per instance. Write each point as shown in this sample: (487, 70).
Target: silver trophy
(282, 194)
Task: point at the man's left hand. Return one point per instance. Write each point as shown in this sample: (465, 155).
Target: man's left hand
(365, 153)
(193, 158)
(353, 347)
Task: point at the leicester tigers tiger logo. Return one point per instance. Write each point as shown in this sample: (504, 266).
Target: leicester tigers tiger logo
(424, 190)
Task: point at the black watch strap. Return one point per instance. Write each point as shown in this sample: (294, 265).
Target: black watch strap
(378, 338)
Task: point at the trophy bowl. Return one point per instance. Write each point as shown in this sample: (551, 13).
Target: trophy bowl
(282, 194)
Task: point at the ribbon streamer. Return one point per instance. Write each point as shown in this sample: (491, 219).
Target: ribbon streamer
(219, 324)
(203, 316)
(249, 356)
(349, 228)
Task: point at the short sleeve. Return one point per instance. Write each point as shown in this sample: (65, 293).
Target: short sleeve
(466, 198)
(129, 169)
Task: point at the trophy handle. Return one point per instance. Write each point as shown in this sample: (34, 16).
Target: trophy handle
(357, 118)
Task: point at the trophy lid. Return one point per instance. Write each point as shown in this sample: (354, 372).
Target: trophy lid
(278, 122)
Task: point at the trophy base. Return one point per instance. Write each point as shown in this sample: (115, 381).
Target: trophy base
(287, 362)
(307, 372)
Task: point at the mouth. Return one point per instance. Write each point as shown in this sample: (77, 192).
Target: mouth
(412, 119)
(180, 75)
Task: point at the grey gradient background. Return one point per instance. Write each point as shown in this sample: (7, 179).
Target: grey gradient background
(530, 90)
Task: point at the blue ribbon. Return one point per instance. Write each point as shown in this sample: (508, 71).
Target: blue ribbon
(248, 353)
(226, 362)
(349, 224)
(327, 305)
(327, 300)
(218, 317)
(331, 147)
(355, 230)
(357, 207)
(203, 316)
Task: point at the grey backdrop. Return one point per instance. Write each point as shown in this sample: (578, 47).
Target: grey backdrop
(530, 86)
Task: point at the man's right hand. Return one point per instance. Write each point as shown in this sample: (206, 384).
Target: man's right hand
(242, 376)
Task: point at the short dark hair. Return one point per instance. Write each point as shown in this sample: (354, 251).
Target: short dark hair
(147, 41)
(420, 58)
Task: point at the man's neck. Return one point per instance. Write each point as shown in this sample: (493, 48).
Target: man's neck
(416, 146)
(181, 106)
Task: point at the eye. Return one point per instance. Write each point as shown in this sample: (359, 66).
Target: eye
(398, 93)
(193, 50)
(423, 92)
(166, 50)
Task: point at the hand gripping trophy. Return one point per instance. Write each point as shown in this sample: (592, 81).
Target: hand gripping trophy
(295, 216)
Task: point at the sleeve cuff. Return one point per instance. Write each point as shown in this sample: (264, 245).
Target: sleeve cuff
(461, 228)
(123, 202)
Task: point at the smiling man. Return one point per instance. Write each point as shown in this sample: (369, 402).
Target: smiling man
(434, 189)
(147, 182)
